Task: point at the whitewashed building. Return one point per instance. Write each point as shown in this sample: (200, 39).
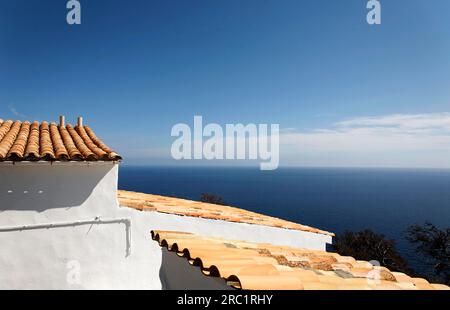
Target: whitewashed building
(65, 225)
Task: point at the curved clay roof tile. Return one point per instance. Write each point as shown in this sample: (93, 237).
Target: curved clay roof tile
(97, 141)
(32, 148)
(9, 139)
(247, 265)
(85, 151)
(17, 151)
(58, 144)
(74, 153)
(90, 144)
(111, 154)
(22, 141)
(114, 156)
(4, 129)
(45, 143)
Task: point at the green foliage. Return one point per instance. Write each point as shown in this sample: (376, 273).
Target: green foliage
(211, 198)
(367, 245)
(433, 244)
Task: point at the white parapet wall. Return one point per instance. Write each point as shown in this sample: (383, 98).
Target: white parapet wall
(61, 228)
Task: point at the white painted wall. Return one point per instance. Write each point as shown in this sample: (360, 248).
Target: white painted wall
(80, 251)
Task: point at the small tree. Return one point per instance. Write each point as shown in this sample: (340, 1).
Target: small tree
(367, 245)
(211, 198)
(434, 246)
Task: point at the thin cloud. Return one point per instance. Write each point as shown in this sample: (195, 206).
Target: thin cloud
(14, 111)
(435, 121)
(400, 139)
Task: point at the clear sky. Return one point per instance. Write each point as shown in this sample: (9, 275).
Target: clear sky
(344, 93)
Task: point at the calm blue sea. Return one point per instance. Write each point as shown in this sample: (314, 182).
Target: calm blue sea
(384, 200)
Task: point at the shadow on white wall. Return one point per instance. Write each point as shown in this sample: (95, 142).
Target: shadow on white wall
(42, 187)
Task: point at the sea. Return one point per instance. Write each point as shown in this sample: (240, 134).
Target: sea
(386, 201)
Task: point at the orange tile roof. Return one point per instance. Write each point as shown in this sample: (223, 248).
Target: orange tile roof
(246, 265)
(25, 141)
(148, 202)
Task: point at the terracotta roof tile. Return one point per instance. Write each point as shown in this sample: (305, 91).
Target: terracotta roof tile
(111, 154)
(32, 149)
(9, 138)
(4, 128)
(46, 145)
(246, 265)
(74, 153)
(18, 148)
(41, 141)
(440, 287)
(90, 144)
(58, 143)
(183, 207)
(79, 143)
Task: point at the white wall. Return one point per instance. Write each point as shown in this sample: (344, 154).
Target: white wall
(59, 190)
(75, 199)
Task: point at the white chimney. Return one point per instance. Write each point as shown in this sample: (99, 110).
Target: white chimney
(62, 121)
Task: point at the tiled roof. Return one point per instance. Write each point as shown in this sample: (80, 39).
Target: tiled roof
(147, 202)
(25, 141)
(247, 265)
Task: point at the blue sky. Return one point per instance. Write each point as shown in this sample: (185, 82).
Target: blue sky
(344, 93)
